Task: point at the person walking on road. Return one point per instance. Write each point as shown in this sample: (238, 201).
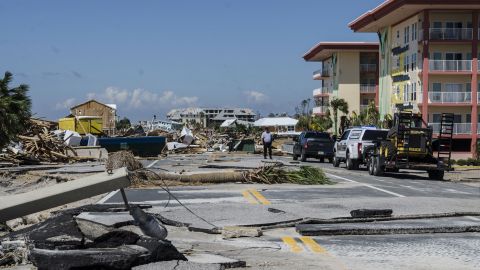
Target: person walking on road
(267, 140)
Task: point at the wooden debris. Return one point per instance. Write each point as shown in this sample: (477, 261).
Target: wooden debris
(39, 144)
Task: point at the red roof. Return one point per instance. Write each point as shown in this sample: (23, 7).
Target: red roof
(323, 50)
(404, 8)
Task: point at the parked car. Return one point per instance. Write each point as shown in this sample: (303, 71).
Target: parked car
(313, 144)
(350, 147)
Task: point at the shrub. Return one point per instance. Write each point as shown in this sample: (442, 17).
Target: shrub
(461, 162)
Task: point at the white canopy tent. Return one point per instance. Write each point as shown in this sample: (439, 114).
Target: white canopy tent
(279, 124)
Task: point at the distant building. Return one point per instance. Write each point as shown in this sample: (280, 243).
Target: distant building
(108, 113)
(210, 116)
(349, 70)
(279, 125)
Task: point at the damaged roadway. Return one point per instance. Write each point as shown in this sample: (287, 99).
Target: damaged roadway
(256, 225)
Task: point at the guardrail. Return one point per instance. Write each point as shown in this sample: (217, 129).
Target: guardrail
(451, 33)
(458, 128)
(321, 91)
(319, 109)
(450, 65)
(367, 88)
(450, 97)
(321, 73)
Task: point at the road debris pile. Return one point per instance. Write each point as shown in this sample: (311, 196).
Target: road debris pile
(274, 174)
(38, 144)
(90, 237)
(267, 174)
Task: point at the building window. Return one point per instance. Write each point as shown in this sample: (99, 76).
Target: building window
(398, 34)
(414, 31)
(468, 118)
(414, 91)
(406, 64)
(414, 61)
(406, 35)
(437, 87)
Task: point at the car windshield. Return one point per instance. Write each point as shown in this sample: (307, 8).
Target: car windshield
(371, 135)
(317, 135)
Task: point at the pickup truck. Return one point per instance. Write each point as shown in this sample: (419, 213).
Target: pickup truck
(350, 147)
(312, 144)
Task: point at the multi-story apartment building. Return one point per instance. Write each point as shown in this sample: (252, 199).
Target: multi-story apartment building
(210, 116)
(349, 70)
(429, 58)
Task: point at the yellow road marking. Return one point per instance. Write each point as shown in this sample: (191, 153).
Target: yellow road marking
(249, 197)
(292, 244)
(312, 245)
(259, 197)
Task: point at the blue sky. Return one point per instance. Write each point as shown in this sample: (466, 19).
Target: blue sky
(152, 56)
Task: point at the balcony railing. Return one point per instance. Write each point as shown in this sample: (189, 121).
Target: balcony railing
(450, 97)
(363, 107)
(319, 110)
(451, 33)
(458, 128)
(321, 91)
(321, 73)
(451, 65)
(367, 88)
(368, 67)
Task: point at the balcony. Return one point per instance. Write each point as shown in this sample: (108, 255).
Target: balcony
(320, 110)
(451, 65)
(321, 91)
(321, 74)
(367, 88)
(368, 67)
(451, 33)
(450, 97)
(458, 128)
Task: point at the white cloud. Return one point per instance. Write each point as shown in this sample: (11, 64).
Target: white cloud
(138, 98)
(66, 104)
(256, 97)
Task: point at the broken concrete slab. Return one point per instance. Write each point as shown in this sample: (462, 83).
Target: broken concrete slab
(160, 250)
(123, 257)
(115, 238)
(415, 226)
(92, 230)
(237, 232)
(226, 214)
(113, 220)
(19, 205)
(205, 258)
(179, 265)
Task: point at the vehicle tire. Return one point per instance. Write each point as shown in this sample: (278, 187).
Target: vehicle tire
(322, 160)
(295, 157)
(370, 164)
(330, 160)
(391, 150)
(350, 163)
(303, 156)
(336, 161)
(436, 175)
(378, 169)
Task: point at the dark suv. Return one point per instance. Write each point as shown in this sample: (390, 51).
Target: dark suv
(313, 144)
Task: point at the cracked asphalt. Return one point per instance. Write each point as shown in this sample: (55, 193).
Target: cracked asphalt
(407, 193)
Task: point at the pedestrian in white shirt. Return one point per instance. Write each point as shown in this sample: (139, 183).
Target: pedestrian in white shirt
(267, 140)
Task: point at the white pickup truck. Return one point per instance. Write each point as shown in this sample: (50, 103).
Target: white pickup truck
(349, 148)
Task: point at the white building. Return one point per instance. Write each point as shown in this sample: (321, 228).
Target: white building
(210, 116)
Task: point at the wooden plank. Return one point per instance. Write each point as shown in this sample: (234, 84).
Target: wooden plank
(19, 205)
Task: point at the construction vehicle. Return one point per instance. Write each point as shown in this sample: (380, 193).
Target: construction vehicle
(409, 146)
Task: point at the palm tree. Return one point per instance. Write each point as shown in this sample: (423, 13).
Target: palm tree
(372, 116)
(15, 109)
(338, 104)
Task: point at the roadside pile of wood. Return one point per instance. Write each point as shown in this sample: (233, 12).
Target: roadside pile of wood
(38, 144)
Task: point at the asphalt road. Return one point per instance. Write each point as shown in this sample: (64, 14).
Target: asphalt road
(245, 204)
